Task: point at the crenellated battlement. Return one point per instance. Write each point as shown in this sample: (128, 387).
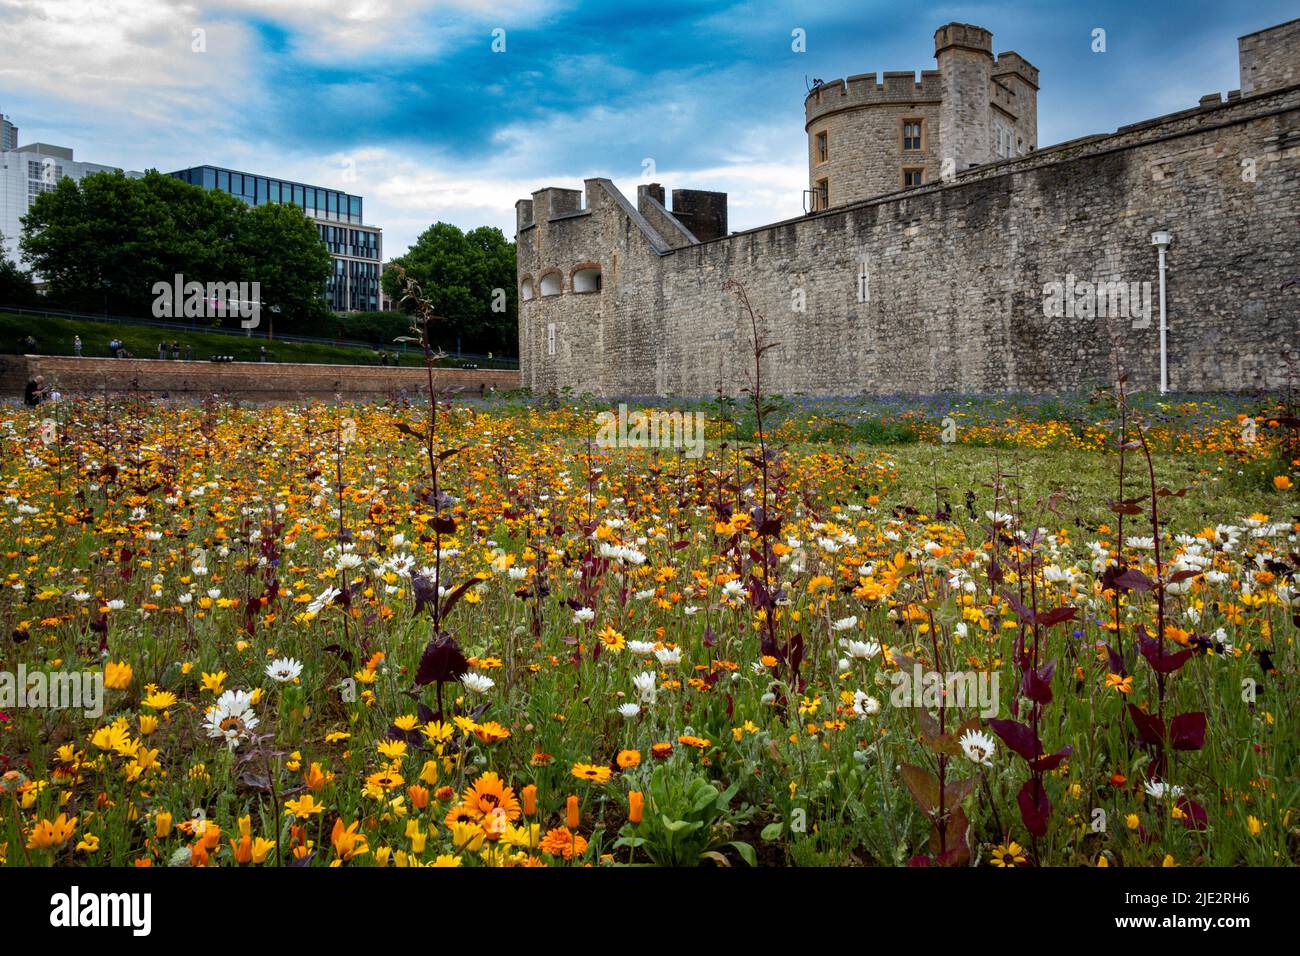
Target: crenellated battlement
(863, 89)
(1009, 65)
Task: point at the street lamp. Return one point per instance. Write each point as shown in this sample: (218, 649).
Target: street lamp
(1161, 241)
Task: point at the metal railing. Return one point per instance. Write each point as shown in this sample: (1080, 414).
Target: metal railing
(497, 361)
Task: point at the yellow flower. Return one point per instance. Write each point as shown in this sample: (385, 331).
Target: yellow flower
(467, 836)
(214, 682)
(612, 640)
(51, 834)
(1010, 855)
(1132, 821)
(1253, 824)
(591, 772)
(303, 807)
(393, 749)
(261, 847)
(160, 700)
(112, 737)
(117, 676)
(89, 843)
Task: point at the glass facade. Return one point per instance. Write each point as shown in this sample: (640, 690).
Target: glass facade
(353, 285)
(316, 201)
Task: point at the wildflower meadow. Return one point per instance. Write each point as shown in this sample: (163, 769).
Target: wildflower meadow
(459, 633)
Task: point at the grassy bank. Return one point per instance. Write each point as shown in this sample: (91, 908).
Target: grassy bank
(54, 336)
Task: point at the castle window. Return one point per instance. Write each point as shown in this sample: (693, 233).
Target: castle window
(552, 283)
(913, 177)
(586, 279)
(822, 195)
(912, 129)
(526, 289)
(550, 338)
(823, 149)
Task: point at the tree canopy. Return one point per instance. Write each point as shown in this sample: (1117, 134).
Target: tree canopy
(15, 285)
(105, 240)
(470, 279)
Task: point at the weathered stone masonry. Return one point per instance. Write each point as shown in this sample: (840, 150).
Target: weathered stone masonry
(954, 272)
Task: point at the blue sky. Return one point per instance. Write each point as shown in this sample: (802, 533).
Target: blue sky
(405, 102)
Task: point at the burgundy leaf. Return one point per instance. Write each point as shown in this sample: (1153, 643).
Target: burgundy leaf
(1187, 731)
(1035, 808)
(1149, 726)
(1018, 737)
(442, 661)
(1056, 616)
(1133, 580)
(1037, 684)
(1194, 816)
(1051, 761)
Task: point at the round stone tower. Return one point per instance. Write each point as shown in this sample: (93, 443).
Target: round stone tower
(869, 137)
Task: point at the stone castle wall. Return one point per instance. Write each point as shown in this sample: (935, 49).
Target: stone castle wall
(954, 274)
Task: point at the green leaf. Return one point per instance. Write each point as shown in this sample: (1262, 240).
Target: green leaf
(773, 831)
(746, 852)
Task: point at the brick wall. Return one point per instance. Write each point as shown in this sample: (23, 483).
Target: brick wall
(251, 381)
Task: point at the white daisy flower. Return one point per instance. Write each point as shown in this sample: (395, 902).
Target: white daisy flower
(478, 683)
(284, 669)
(231, 718)
(978, 747)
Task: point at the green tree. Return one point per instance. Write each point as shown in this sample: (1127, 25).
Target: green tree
(102, 243)
(84, 239)
(283, 253)
(465, 275)
(15, 285)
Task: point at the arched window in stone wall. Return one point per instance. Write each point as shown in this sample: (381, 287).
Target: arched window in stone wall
(585, 277)
(526, 289)
(552, 283)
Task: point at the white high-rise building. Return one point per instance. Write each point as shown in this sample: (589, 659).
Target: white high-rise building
(28, 171)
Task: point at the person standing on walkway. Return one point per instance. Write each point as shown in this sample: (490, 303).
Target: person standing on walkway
(76, 346)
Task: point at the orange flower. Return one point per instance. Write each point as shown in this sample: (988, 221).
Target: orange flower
(561, 842)
(661, 751)
(571, 812)
(1282, 483)
(489, 793)
(627, 759)
(243, 849)
(419, 796)
(635, 806)
(530, 799)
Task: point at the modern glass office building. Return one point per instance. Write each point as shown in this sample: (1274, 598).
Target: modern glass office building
(8, 134)
(356, 248)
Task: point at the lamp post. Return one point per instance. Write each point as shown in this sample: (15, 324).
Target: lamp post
(1161, 241)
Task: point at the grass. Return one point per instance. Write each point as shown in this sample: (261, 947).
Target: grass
(1075, 486)
(55, 336)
